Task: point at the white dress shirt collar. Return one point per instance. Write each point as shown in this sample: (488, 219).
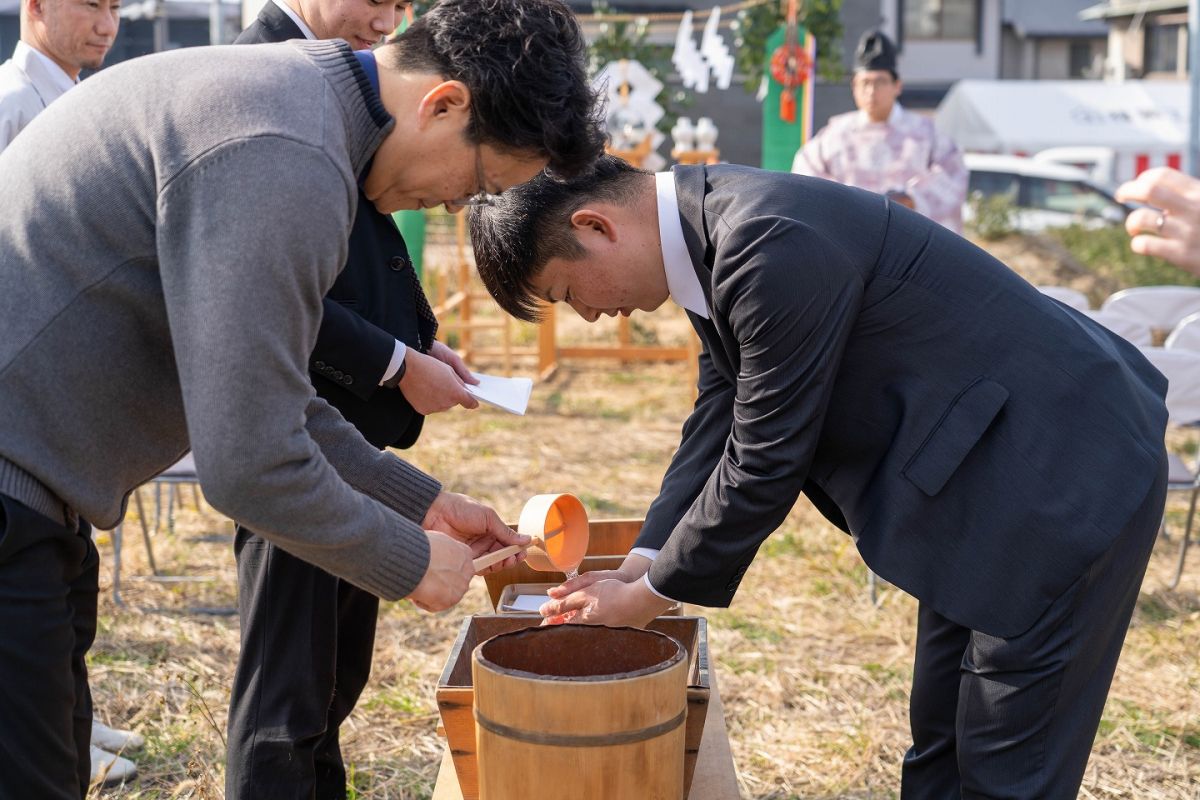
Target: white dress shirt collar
(893, 116)
(682, 282)
(33, 61)
(285, 8)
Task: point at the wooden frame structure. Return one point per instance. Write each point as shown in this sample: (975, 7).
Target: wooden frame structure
(461, 300)
(549, 353)
(454, 310)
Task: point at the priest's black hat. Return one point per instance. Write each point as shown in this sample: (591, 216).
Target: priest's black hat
(875, 51)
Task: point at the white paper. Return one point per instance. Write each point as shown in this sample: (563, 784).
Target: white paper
(527, 602)
(510, 394)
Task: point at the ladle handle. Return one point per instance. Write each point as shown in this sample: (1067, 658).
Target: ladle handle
(488, 559)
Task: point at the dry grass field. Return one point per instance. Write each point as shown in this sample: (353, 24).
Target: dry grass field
(813, 676)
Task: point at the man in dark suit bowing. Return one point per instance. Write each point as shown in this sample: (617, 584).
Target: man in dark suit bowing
(993, 453)
(307, 636)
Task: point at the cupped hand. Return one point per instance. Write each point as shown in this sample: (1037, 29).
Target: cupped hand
(605, 601)
(448, 575)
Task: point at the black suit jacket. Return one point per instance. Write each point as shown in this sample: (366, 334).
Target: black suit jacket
(981, 442)
(369, 306)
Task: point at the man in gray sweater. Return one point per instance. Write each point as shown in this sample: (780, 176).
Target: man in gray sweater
(167, 233)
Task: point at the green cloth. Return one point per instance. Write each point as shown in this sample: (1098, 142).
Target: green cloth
(412, 228)
(781, 139)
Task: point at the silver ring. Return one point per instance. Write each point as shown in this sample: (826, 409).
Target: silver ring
(1160, 222)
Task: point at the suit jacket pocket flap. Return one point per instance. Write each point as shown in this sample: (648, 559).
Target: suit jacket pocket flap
(956, 433)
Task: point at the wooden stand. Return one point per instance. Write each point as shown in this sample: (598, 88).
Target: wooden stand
(691, 157)
(454, 309)
(549, 353)
(715, 778)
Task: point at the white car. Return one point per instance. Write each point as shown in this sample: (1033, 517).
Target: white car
(1045, 194)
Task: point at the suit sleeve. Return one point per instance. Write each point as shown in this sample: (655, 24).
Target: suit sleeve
(791, 298)
(350, 344)
(700, 449)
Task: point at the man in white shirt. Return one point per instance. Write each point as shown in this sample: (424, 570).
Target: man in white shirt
(59, 39)
(883, 148)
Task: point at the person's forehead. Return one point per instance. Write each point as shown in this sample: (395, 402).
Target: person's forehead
(872, 74)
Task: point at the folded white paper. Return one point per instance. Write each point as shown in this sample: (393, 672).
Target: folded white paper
(510, 394)
(527, 602)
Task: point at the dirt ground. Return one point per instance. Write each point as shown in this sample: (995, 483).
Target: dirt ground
(814, 677)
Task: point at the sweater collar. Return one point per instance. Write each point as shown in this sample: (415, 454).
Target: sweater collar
(368, 122)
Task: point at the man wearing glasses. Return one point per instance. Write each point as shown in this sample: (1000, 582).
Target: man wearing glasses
(307, 636)
(166, 293)
(885, 149)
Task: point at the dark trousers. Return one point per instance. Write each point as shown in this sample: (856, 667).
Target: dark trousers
(48, 588)
(1015, 718)
(307, 642)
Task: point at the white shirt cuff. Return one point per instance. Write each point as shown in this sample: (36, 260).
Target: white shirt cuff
(646, 578)
(394, 365)
(650, 553)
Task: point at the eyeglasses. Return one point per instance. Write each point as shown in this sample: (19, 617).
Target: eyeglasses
(862, 82)
(482, 197)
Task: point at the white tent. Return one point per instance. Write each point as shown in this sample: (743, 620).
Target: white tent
(1143, 122)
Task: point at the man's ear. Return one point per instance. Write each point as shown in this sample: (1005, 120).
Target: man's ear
(34, 9)
(591, 222)
(444, 101)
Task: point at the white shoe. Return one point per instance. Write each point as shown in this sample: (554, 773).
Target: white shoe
(113, 740)
(109, 769)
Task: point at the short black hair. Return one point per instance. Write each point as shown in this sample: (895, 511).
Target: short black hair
(530, 224)
(524, 62)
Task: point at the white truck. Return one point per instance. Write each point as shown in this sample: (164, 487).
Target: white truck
(1113, 131)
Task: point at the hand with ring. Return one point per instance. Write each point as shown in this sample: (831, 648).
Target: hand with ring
(1169, 228)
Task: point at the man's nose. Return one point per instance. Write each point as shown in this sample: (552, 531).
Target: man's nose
(385, 23)
(107, 24)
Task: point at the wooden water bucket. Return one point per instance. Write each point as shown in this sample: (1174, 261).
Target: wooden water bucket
(580, 711)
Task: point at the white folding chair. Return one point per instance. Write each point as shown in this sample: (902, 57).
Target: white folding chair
(1182, 369)
(1067, 296)
(182, 472)
(1131, 330)
(1160, 307)
(1186, 335)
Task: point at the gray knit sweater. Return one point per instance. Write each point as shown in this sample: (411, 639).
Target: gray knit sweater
(167, 232)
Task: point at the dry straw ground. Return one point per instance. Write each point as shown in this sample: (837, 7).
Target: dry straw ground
(814, 678)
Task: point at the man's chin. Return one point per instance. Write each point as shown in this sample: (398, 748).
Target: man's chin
(385, 206)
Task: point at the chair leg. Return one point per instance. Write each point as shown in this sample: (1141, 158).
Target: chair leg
(873, 586)
(137, 497)
(116, 542)
(157, 505)
(1187, 538)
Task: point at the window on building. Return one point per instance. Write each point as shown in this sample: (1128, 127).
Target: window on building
(1080, 58)
(940, 19)
(1162, 48)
